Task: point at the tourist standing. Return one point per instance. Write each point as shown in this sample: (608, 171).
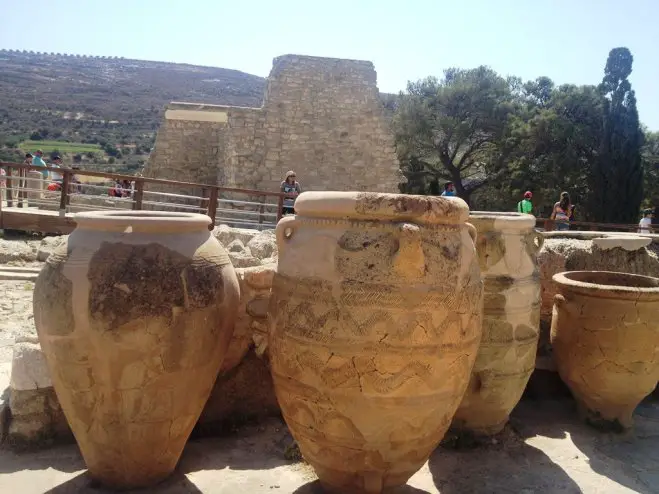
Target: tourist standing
(291, 189)
(449, 190)
(563, 211)
(525, 205)
(19, 188)
(37, 160)
(645, 225)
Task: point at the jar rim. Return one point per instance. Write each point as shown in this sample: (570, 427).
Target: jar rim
(609, 284)
(155, 220)
(382, 206)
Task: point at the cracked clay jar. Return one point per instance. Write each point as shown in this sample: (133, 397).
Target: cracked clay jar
(375, 324)
(134, 313)
(605, 340)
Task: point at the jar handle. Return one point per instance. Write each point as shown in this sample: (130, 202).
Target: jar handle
(284, 231)
(559, 300)
(539, 238)
(410, 261)
(473, 233)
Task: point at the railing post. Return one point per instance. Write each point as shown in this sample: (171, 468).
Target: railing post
(139, 194)
(261, 210)
(9, 191)
(22, 185)
(212, 204)
(64, 193)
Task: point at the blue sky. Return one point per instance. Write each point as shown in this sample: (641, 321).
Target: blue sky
(567, 40)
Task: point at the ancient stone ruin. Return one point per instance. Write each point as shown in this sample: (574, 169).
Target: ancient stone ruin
(321, 117)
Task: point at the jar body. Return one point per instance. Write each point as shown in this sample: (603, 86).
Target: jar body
(605, 341)
(134, 325)
(507, 248)
(374, 331)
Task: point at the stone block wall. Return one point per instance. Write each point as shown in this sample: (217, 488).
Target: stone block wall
(321, 117)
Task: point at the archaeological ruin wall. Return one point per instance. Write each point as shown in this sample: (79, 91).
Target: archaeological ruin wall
(321, 117)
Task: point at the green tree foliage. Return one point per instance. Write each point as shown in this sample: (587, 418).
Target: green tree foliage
(650, 157)
(561, 135)
(460, 128)
(496, 138)
(617, 177)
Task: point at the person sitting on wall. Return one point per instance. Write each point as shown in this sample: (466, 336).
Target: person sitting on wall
(117, 190)
(449, 190)
(291, 189)
(56, 176)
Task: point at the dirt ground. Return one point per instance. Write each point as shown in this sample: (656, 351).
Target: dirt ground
(547, 450)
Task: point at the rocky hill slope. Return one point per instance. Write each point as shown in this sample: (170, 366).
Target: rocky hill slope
(87, 98)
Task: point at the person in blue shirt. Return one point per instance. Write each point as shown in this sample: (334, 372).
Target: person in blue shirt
(449, 190)
(37, 160)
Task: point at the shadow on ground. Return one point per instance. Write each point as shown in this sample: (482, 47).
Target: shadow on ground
(631, 459)
(261, 447)
(315, 488)
(176, 484)
(504, 464)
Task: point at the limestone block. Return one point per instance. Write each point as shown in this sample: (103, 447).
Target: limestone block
(243, 260)
(225, 234)
(627, 242)
(17, 252)
(255, 284)
(37, 419)
(49, 244)
(263, 245)
(29, 370)
(236, 246)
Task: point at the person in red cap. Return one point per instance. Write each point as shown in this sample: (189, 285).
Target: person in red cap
(525, 205)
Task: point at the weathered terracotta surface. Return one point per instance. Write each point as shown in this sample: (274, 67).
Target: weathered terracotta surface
(134, 314)
(507, 248)
(376, 319)
(605, 336)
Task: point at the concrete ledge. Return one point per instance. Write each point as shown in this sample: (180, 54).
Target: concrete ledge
(628, 242)
(197, 116)
(588, 235)
(205, 107)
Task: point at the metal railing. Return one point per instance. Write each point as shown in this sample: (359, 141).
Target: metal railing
(80, 190)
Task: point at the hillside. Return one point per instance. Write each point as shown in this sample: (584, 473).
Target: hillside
(106, 100)
(114, 104)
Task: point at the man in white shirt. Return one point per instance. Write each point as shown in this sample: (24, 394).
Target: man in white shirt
(645, 225)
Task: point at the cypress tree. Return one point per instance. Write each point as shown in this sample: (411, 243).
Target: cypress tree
(618, 174)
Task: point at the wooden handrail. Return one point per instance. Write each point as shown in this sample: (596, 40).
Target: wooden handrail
(133, 178)
(619, 226)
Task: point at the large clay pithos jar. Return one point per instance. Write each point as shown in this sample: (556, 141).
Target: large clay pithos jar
(605, 340)
(507, 248)
(134, 314)
(375, 324)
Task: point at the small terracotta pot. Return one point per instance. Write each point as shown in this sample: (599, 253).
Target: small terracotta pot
(134, 314)
(376, 317)
(605, 338)
(507, 248)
